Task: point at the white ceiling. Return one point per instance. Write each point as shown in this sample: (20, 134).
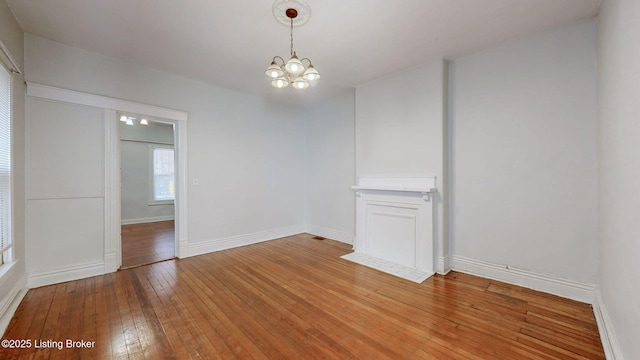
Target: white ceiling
(351, 42)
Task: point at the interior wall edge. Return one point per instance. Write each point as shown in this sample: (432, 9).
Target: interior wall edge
(333, 234)
(443, 264)
(608, 337)
(213, 245)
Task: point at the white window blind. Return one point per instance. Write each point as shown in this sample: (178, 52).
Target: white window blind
(5, 165)
(163, 174)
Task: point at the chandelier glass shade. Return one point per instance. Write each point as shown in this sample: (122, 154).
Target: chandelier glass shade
(294, 71)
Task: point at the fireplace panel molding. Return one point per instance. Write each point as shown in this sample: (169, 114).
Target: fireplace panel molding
(394, 226)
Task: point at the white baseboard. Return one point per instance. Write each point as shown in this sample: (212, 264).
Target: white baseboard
(146, 220)
(443, 265)
(44, 278)
(242, 240)
(605, 327)
(545, 283)
(9, 303)
(332, 234)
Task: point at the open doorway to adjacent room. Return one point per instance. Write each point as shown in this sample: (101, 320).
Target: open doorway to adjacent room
(148, 188)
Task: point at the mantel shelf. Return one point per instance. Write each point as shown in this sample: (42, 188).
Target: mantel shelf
(393, 188)
(422, 185)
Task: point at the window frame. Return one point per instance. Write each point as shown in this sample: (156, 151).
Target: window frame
(8, 64)
(152, 177)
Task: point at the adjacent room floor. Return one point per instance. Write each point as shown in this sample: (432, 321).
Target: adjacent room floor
(147, 243)
(294, 298)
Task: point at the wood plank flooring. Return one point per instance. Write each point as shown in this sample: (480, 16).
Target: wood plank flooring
(147, 243)
(294, 298)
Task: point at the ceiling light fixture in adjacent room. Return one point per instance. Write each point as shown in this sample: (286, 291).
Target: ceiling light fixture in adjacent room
(128, 120)
(291, 12)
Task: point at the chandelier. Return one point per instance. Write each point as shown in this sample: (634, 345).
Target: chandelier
(293, 71)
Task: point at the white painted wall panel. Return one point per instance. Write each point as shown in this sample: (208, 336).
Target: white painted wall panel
(330, 168)
(65, 192)
(399, 124)
(619, 154)
(65, 150)
(524, 154)
(64, 233)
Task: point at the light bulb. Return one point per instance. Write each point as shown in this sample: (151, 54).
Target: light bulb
(129, 122)
(279, 83)
(311, 73)
(123, 118)
(300, 83)
(144, 122)
(274, 71)
(294, 66)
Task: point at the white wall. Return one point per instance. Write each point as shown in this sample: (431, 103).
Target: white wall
(135, 165)
(619, 156)
(401, 122)
(524, 170)
(245, 151)
(13, 280)
(330, 168)
(65, 190)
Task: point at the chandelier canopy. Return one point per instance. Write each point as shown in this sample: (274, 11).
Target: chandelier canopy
(293, 71)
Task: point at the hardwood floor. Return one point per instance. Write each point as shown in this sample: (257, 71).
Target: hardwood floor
(294, 298)
(147, 243)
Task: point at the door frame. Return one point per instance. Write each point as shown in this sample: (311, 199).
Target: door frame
(180, 179)
(113, 238)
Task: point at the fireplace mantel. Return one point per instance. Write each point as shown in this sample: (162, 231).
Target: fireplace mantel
(422, 185)
(394, 226)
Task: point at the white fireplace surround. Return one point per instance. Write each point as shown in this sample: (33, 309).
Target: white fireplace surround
(394, 226)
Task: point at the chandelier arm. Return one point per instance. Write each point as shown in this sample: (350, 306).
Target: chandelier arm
(278, 57)
(301, 60)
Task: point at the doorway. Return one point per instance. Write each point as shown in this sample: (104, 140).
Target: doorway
(148, 189)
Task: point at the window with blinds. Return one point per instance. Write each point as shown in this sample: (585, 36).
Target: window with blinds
(5, 165)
